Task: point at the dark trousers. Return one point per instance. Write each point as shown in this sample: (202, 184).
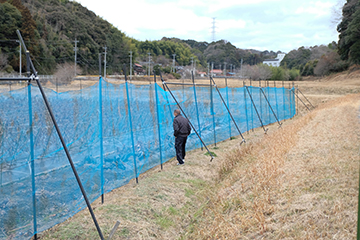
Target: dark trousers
(180, 143)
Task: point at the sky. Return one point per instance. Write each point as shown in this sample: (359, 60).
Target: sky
(273, 25)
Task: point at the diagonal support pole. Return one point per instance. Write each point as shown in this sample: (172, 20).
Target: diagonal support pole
(306, 98)
(262, 125)
(243, 139)
(270, 107)
(293, 90)
(192, 126)
(34, 76)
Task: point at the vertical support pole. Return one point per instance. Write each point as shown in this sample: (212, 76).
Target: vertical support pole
(131, 127)
(290, 101)
(283, 86)
(297, 101)
(62, 141)
(246, 112)
(158, 118)
(270, 107)
(101, 140)
(32, 155)
(252, 100)
(227, 100)
(197, 110)
(212, 110)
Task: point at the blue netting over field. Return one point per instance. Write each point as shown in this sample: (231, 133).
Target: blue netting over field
(37, 184)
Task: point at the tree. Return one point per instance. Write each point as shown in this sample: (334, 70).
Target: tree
(349, 29)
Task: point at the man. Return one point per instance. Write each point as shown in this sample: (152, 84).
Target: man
(182, 130)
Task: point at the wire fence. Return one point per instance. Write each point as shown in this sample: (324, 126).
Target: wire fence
(114, 132)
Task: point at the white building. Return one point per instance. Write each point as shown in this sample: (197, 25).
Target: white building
(275, 62)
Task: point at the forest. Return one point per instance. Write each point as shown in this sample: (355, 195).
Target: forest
(50, 29)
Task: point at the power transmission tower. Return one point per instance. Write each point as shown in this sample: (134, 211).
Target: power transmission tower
(208, 67)
(130, 65)
(213, 30)
(105, 48)
(173, 63)
(195, 68)
(75, 50)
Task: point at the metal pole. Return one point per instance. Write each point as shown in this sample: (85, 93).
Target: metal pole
(270, 107)
(158, 118)
(262, 125)
(105, 62)
(164, 83)
(212, 110)
(101, 140)
(300, 100)
(227, 101)
(32, 155)
(75, 49)
(131, 65)
(20, 66)
(131, 127)
(305, 98)
(62, 140)
(197, 110)
(228, 110)
(246, 112)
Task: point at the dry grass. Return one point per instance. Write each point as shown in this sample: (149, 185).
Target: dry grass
(297, 182)
(300, 182)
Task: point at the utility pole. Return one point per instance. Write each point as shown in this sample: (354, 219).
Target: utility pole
(75, 50)
(241, 70)
(192, 63)
(130, 65)
(20, 56)
(149, 64)
(224, 68)
(195, 69)
(208, 67)
(212, 69)
(105, 62)
(174, 62)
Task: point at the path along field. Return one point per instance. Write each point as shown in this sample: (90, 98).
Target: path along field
(300, 181)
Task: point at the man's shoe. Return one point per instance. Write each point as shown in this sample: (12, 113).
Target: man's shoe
(180, 163)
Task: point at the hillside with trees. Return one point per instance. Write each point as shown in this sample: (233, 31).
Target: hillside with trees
(50, 28)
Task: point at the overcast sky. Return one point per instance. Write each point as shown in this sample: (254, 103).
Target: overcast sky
(256, 24)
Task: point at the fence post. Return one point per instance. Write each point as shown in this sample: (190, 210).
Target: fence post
(228, 105)
(197, 110)
(32, 155)
(246, 112)
(158, 119)
(101, 140)
(131, 127)
(212, 110)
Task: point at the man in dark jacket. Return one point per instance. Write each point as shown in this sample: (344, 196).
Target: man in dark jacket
(182, 130)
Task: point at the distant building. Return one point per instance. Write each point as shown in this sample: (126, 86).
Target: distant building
(138, 69)
(216, 72)
(275, 62)
(202, 74)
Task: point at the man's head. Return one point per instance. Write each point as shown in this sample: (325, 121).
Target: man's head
(176, 112)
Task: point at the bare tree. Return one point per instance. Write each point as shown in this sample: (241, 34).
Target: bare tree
(65, 73)
(3, 61)
(264, 72)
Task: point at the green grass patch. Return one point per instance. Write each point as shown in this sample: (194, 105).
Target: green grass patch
(212, 153)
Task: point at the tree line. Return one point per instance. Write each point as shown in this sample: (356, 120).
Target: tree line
(50, 28)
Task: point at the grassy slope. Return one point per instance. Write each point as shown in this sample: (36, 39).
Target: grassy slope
(297, 182)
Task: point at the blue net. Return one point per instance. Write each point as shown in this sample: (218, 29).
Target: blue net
(114, 132)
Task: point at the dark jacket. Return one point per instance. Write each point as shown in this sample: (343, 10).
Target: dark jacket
(181, 126)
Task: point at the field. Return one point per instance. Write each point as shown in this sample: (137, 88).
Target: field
(295, 182)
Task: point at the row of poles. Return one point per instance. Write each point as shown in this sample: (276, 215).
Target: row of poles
(33, 77)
